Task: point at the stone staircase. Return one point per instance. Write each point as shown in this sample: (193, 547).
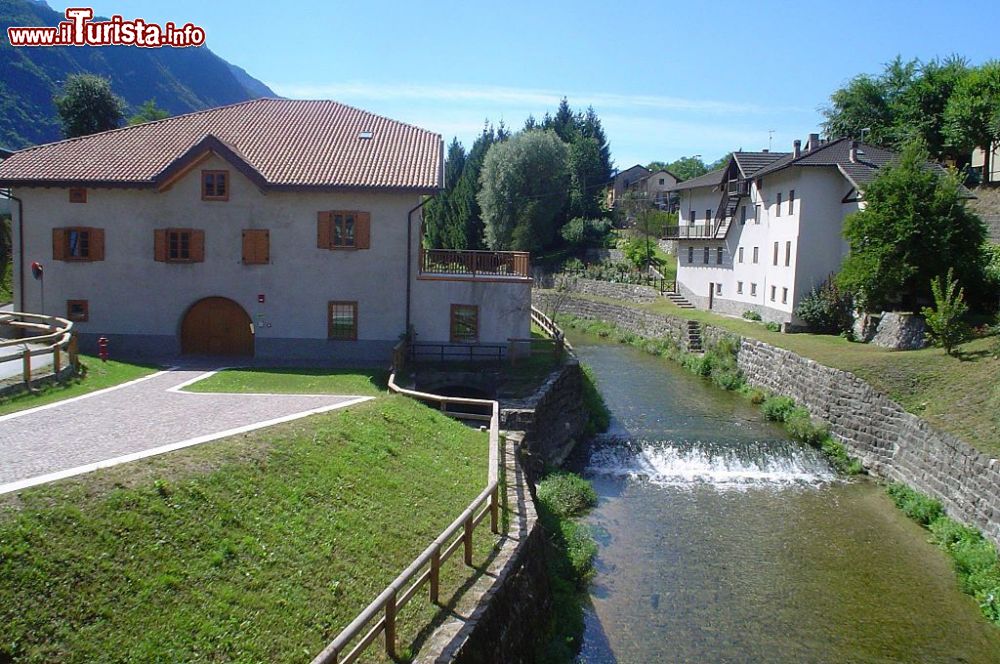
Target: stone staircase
(679, 300)
(694, 337)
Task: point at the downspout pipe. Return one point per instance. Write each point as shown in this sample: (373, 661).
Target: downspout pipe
(20, 246)
(409, 257)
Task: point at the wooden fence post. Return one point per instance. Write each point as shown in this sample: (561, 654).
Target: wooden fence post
(27, 366)
(435, 574)
(74, 351)
(495, 510)
(390, 626)
(468, 540)
(56, 360)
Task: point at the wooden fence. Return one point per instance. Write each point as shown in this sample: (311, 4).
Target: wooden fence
(50, 334)
(426, 568)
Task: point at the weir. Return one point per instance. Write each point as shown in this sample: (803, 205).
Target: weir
(722, 540)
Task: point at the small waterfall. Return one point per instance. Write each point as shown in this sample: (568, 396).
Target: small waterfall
(726, 466)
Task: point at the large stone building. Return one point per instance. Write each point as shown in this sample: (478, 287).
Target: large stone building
(760, 233)
(276, 228)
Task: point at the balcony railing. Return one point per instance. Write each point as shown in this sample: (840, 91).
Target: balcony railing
(689, 232)
(475, 264)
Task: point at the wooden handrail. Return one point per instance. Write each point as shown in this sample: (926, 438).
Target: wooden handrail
(57, 336)
(405, 586)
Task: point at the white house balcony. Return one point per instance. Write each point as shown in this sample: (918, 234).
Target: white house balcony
(466, 265)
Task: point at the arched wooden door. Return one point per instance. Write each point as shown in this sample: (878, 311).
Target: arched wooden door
(216, 326)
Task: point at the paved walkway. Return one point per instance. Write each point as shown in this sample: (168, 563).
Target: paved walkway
(136, 420)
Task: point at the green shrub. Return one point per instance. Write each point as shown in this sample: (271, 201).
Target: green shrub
(946, 326)
(751, 315)
(772, 326)
(915, 505)
(598, 415)
(581, 549)
(566, 494)
(801, 427)
(757, 396)
(827, 309)
(573, 266)
(581, 232)
(839, 458)
(777, 408)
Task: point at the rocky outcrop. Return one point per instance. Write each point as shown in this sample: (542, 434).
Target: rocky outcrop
(900, 331)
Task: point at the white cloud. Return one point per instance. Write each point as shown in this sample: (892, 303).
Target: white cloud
(507, 96)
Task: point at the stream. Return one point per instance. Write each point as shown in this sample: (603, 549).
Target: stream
(721, 540)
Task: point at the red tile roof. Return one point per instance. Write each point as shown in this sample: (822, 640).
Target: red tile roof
(282, 144)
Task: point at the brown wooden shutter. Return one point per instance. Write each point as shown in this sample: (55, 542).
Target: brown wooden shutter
(362, 230)
(160, 245)
(256, 250)
(97, 244)
(323, 230)
(197, 246)
(249, 253)
(58, 244)
(263, 249)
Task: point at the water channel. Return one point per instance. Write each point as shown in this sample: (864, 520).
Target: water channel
(722, 541)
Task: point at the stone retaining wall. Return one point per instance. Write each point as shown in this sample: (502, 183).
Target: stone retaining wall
(552, 420)
(636, 321)
(891, 443)
(511, 603)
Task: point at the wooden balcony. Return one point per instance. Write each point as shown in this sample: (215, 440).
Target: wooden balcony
(477, 265)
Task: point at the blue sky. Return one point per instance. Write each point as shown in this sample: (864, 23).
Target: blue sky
(667, 78)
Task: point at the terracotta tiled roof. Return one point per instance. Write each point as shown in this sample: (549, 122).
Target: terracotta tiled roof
(710, 179)
(283, 144)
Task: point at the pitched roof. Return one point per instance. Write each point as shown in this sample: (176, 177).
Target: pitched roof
(751, 162)
(837, 153)
(279, 143)
(711, 179)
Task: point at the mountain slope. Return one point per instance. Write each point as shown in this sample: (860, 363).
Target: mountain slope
(180, 80)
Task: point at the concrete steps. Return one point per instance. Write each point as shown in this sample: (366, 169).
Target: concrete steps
(694, 337)
(679, 300)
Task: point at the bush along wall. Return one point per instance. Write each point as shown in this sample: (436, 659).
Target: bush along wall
(719, 364)
(563, 498)
(974, 557)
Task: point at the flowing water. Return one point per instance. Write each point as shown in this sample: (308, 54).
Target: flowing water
(722, 541)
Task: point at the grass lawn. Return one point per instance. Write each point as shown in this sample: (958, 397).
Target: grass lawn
(960, 395)
(298, 381)
(97, 376)
(259, 547)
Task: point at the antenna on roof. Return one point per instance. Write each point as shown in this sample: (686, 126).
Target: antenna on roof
(770, 138)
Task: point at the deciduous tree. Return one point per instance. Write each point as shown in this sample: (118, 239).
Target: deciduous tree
(87, 106)
(524, 185)
(914, 227)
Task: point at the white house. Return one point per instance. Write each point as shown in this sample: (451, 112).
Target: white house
(656, 185)
(760, 233)
(992, 172)
(275, 228)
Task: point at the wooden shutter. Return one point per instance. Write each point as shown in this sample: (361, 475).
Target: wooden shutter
(96, 244)
(160, 245)
(263, 248)
(323, 230)
(362, 230)
(58, 244)
(197, 250)
(256, 249)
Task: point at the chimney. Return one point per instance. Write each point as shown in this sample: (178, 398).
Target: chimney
(796, 148)
(813, 142)
(853, 152)
(766, 150)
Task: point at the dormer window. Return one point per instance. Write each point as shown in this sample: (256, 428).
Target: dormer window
(215, 185)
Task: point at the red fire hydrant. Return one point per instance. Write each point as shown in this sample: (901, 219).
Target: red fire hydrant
(102, 349)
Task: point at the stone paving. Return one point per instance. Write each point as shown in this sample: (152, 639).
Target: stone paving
(132, 421)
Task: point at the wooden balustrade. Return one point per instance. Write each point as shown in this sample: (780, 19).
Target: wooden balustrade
(426, 568)
(512, 264)
(50, 334)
